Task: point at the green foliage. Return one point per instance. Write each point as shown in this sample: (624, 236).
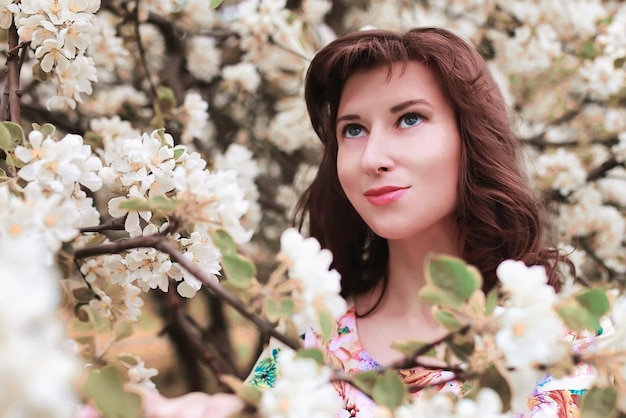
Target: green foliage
(449, 281)
(11, 135)
(493, 378)
(408, 347)
(365, 381)
(47, 129)
(447, 319)
(224, 242)
(214, 3)
(492, 301)
(389, 390)
(600, 402)
(106, 384)
(312, 353)
(277, 308)
(327, 323)
(584, 310)
(155, 204)
(239, 270)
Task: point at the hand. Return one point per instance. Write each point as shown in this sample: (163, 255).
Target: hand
(191, 405)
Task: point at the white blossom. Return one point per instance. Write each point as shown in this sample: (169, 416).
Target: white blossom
(37, 372)
(601, 79)
(319, 287)
(203, 59)
(304, 388)
(193, 116)
(138, 373)
(290, 128)
(243, 74)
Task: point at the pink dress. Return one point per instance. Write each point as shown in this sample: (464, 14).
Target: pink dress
(346, 352)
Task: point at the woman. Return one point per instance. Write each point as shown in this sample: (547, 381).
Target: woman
(418, 157)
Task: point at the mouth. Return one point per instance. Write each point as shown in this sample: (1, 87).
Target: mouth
(385, 195)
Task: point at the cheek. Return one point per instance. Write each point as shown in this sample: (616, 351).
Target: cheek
(343, 171)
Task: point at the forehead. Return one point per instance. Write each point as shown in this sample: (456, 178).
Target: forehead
(385, 84)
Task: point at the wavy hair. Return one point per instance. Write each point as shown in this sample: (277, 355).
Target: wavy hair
(498, 214)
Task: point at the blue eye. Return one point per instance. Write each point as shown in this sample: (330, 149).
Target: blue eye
(409, 120)
(353, 131)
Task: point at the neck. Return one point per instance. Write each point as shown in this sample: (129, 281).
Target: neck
(405, 274)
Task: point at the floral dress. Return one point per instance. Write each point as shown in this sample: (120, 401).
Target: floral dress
(551, 398)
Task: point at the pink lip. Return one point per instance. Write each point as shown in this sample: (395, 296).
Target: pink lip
(385, 195)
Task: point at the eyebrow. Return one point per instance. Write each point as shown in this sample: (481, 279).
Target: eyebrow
(394, 109)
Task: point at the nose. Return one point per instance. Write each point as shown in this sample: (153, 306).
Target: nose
(376, 155)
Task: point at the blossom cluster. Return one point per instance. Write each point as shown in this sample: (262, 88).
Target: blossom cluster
(59, 32)
(319, 287)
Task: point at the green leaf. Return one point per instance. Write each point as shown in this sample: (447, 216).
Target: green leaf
(365, 381)
(408, 347)
(595, 301)
(166, 100)
(105, 387)
(47, 129)
(5, 139)
(492, 378)
(214, 3)
(448, 320)
(178, 152)
(449, 281)
(462, 346)
(312, 353)
(326, 323)
(600, 402)
(123, 330)
(224, 242)
(239, 270)
(15, 135)
(492, 301)
(277, 308)
(588, 50)
(389, 390)
(154, 204)
(250, 394)
(162, 138)
(584, 310)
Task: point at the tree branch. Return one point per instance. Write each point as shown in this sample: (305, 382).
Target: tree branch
(116, 224)
(163, 244)
(12, 88)
(142, 51)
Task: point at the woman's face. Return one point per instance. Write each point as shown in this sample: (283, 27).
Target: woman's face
(399, 152)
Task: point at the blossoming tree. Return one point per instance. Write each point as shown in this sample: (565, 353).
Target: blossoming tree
(152, 152)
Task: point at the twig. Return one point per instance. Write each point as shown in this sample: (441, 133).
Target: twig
(410, 361)
(601, 170)
(189, 344)
(116, 224)
(142, 51)
(163, 244)
(12, 89)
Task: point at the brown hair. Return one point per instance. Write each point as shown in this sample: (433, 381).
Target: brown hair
(499, 216)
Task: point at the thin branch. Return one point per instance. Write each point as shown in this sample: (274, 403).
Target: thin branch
(189, 344)
(163, 244)
(12, 88)
(585, 246)
(116, 224)
(142, 51)
(602, 169)
(410, 361)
